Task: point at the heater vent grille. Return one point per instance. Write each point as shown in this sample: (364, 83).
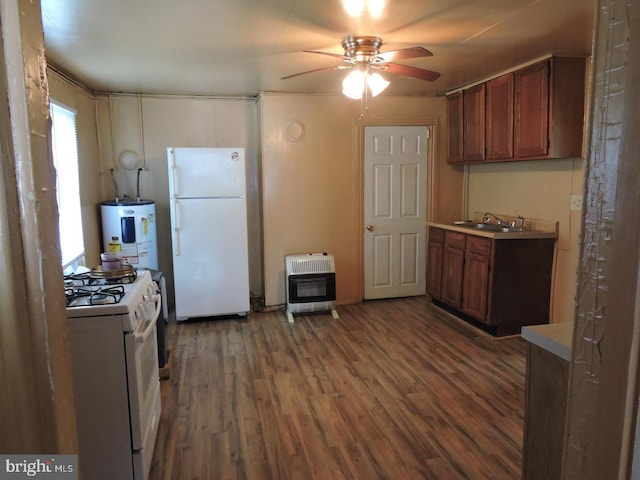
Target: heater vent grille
(310, 263)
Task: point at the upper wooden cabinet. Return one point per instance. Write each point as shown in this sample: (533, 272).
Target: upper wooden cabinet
(532, 111)
(535, 112)
(499, 121)
(549, 105)
(473, 124)
(455, 130)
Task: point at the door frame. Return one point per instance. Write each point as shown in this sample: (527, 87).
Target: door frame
(432, 124)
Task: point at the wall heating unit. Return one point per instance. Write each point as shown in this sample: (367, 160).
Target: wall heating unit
(310, 284)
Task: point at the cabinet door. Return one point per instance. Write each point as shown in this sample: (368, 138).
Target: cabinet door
(546, 404)
(499, 119)
(434, 269)
(455, 130)
(453, 269)
(476, 277)
(474, 116)
(435, 249)
(532, 111)
(476, 286)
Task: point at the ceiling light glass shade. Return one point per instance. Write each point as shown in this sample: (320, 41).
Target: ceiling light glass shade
(376, 84)
(353, 84)
(353, 7)
(375, 8)
(357, 8)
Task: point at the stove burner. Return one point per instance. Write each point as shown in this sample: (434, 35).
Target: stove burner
(77, 279)
(99, 296)
(100, 278)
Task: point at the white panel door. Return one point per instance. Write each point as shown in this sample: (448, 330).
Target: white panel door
(395, 181)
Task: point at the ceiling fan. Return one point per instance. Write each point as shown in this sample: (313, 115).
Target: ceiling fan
(362, 54)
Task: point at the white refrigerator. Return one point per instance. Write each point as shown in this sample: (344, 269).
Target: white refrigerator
(208, 231)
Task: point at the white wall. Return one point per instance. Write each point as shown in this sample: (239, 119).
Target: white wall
(312, 187)
(148, 125)
(325, 162)
(324, 165)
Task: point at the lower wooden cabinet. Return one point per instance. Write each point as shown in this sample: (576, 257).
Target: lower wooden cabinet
(477, 271)
(545, 411)
(502, 284)
(453, 268)
(435, 251)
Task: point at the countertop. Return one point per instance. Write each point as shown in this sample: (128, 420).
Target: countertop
(556, 338)
(515, 235)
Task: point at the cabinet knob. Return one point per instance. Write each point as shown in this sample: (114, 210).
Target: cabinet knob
(370, 228)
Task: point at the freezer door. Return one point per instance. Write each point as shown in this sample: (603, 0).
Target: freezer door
(210, 257)
(206, 172)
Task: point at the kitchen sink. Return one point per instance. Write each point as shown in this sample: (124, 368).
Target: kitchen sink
(489, 227)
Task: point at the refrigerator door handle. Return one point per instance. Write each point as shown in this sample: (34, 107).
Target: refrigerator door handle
(176, 228)
(174, 174)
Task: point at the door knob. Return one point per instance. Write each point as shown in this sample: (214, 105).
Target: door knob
(370, 228)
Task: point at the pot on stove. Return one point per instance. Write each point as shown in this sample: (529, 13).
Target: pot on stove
(110, 262)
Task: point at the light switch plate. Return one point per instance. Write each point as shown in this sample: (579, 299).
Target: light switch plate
(576, 202)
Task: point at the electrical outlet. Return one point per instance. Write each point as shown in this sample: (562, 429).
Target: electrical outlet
(576, 202)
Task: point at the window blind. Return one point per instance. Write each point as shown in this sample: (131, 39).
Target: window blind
(65, 159)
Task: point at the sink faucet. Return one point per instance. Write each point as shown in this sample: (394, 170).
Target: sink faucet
(515, 224)
(486, 219)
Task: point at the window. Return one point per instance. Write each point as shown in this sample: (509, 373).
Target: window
(65, 160)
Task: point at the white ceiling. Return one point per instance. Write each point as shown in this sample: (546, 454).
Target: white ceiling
(244, 47)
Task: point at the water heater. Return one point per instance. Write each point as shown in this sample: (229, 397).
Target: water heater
(129, 231)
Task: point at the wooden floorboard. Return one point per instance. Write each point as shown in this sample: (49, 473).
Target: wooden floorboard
(393, 389)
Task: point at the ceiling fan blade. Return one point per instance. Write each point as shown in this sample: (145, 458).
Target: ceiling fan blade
(311, 71)
(414, 72)
(401, 54)
(330, 54)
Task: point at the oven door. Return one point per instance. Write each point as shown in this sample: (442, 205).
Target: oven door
(143, 376)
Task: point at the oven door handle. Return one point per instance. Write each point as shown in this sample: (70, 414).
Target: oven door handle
(142, 337)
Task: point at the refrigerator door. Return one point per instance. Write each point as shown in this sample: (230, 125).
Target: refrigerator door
(206, 172)
(210, 259)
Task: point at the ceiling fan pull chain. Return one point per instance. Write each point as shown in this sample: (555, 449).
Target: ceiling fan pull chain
(364, 106)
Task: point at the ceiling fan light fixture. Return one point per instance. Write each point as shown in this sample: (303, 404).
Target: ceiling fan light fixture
(353, 7)
(375, 8)
(376, 84)
(353, 84)
(357, 8)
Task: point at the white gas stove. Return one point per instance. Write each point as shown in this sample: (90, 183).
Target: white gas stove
(114, 356)
(131, 296)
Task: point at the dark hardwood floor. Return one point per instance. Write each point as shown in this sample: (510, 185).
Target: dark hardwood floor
(391, 390)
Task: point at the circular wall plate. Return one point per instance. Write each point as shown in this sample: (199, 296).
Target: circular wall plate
(294, 130)
(128, 160)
